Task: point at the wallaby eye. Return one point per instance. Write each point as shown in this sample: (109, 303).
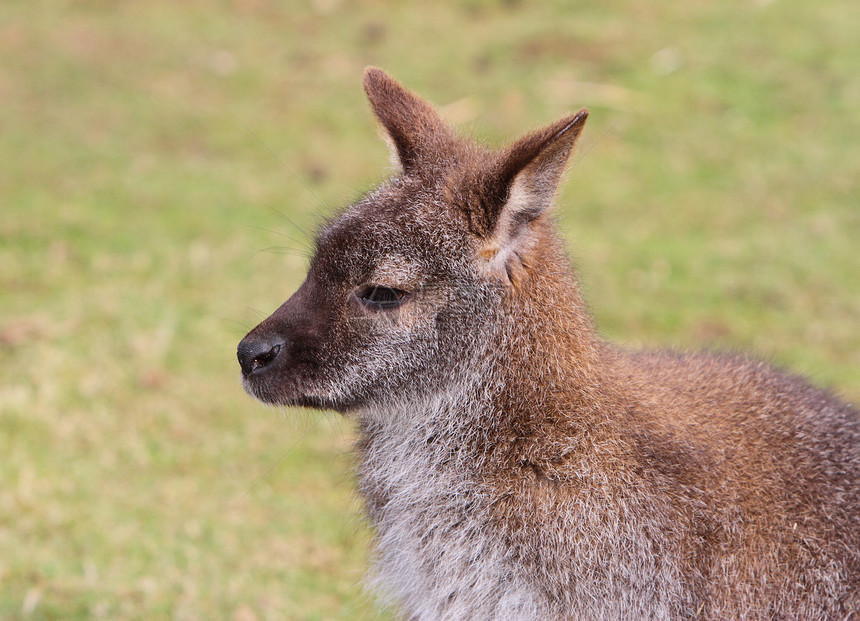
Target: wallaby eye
(383, 298)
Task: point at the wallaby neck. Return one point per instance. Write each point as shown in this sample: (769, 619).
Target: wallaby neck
(550, 344)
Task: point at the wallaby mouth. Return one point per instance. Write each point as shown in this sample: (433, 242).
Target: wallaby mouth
(272, 373)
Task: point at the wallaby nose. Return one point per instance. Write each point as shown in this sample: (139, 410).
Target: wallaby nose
(255, 355)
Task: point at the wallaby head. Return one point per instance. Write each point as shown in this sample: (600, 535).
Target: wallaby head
(405, 287)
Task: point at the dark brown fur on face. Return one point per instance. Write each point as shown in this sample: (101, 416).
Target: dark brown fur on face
(515, 465)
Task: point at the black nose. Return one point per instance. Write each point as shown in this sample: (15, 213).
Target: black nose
(255, 355)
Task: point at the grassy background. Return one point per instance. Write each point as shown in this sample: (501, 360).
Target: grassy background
(144, 228)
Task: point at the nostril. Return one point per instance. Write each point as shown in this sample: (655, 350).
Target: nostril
(255, 355)
(264, 359)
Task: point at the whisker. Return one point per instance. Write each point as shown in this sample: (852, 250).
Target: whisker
(277, 462)
(237, 327)
(283, 250)
(278, 233)
(258, 312)
(308, 235)
(287, 168)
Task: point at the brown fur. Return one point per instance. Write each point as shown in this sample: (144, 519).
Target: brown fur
(515, 465)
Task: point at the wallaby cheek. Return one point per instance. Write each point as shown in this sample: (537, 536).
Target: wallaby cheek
(391, 362)
(407, 353)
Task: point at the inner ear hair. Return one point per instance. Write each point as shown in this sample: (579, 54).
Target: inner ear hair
(525, 181)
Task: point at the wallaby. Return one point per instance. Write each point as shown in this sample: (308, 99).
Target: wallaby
(513, 464)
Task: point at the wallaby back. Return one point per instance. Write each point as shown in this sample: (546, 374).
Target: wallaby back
(513, 464)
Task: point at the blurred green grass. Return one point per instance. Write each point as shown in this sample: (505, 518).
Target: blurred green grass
(144, 229)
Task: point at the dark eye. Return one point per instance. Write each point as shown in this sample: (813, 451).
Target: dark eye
(383, 298)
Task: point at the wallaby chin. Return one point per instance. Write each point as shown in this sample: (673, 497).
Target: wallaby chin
(516, 466)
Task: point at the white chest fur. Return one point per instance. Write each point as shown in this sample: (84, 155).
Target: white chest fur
(437, 555)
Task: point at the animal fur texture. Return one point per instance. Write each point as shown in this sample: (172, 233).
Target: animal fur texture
(513, 464)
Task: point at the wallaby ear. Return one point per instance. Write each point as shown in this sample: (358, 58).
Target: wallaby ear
(531, 168)
(413, 125)
(523, 185)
